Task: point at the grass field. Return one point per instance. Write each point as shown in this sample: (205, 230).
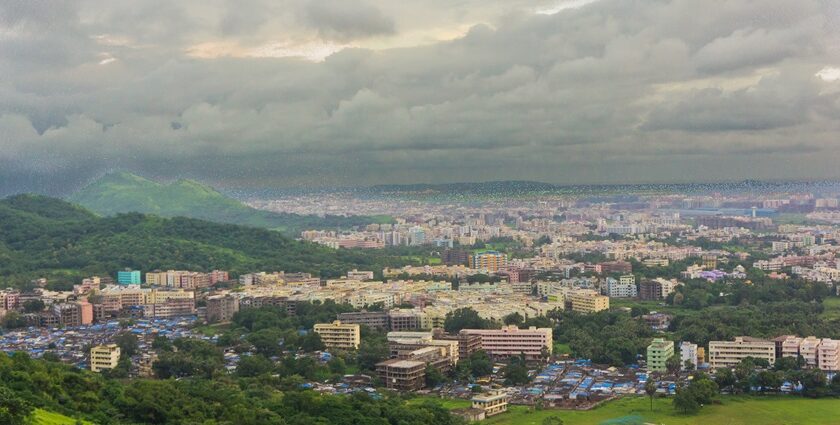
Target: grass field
(740, 410)
(43, 417)
(832, 308)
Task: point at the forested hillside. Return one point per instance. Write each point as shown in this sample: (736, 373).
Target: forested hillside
(47, 237)
(124, 192)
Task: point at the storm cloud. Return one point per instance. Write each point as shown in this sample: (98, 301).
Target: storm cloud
(315, 93)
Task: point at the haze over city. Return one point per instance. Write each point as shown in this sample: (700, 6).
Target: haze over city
(360, 92)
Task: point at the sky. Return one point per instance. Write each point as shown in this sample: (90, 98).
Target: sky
(312, 93)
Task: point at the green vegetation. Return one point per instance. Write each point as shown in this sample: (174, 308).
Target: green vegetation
(733, 410)
(831, 308)
(43, 417)
(46, 237)
(59, 389)
(123, 193)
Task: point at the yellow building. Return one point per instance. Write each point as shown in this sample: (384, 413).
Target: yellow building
(587, 301)
(730, 353)
(104, 357)
(491, 403)
(339, 335)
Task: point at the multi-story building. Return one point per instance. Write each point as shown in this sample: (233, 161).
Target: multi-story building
(730, 353)
(658, 353)
(377, 320)
(359, 275)
(688, 353)
(828, 355)
(104, 357)
(511, 341)
(402, 375)
(621, 289)
(128, 277)
(407, 320)
(586, 301)
(339, 335)
(491, 403)
(221, 308)
(455, 257)
(650, 290)
(490, 261)
(608, 267)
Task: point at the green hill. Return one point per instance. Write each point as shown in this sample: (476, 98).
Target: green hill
(46, 237)
(124, 192)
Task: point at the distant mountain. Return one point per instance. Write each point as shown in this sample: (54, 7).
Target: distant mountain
(124, 192)
(47, 237)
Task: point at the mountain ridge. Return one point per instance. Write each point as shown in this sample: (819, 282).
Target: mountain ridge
(123, 192)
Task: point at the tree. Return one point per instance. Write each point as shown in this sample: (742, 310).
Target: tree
(725, 378)
(480, 364)
(769, 380)
(464, 318)
(13, 409)
(650, 390)
(672, 364)
(514, 319)
(337, 365)
(312, 342)
(128, 344)
(13, 320)
(789, 363)
(685, 401)
(516, 373)
(255, 365)
(433, 376)
(33, 306)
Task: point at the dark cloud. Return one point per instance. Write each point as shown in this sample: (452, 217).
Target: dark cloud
(611, 91)
(347, 19)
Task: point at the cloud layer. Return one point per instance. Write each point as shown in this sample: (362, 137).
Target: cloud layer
(313, 93)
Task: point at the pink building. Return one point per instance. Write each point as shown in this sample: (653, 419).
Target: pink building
(512, 341)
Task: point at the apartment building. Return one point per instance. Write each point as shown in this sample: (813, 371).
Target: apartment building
(828, 355)
(402, 375)
(730, 353)
(401, 344)
(377, 320)
(491, 261)
(491, 403)
(621, 289)
(658, 353)
(586, 301)
(339, 335)
(221, 308)
(512, 341)
(688, 353)
(104, 357)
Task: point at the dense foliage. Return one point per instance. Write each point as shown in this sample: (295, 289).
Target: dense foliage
(222, 400)
(45, 237)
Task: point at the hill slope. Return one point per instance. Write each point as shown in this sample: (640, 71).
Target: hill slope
(46, 237)
(124, 192)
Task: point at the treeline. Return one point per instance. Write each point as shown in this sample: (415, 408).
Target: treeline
(46, 237)
(223, 400)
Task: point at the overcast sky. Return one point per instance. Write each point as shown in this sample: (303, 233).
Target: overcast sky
(358, 92)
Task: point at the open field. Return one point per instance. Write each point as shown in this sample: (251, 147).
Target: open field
(734, 410)
(43, 417)
(832, 308)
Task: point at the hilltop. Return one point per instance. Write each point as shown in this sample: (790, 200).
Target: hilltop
(48, 237)
(124, 192)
